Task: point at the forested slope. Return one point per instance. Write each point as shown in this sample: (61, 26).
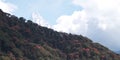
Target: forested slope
(21, 39)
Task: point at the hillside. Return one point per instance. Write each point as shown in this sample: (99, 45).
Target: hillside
(21, 39)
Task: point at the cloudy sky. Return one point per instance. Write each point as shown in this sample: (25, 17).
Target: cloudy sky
(97, 19)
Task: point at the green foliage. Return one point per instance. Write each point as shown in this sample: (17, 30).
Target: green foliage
(5, 58)
(17, 52)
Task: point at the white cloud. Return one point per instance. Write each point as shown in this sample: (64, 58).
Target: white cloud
(7, 7)
(37, 18)
(75, 23)
(106, 11)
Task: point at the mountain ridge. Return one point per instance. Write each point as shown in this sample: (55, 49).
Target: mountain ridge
(21, 39)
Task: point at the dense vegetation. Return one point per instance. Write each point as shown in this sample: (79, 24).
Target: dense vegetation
(21, 39)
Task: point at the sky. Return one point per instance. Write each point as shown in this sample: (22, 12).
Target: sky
(97, 19)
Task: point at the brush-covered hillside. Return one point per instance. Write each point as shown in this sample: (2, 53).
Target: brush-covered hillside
(21, 39)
